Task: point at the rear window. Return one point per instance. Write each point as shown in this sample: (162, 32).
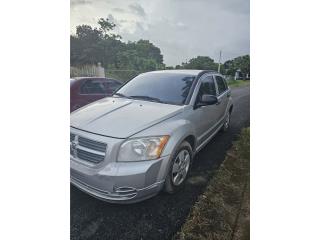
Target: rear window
(93, 87)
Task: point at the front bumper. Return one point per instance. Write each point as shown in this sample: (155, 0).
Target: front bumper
(125, 182)
(121, 195)
(121, 182)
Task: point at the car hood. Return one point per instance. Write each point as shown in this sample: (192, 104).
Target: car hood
(121, 117)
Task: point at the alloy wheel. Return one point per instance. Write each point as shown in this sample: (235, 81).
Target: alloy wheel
(227, 122)
(180, 167)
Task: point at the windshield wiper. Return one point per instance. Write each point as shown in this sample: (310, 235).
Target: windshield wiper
(148, 98)
(120, 95)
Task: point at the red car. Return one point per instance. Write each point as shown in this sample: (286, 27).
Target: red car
(89, 89)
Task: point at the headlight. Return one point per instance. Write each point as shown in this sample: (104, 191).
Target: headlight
(140, 149)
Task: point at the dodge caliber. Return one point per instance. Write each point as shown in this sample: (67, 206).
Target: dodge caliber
(141, 140)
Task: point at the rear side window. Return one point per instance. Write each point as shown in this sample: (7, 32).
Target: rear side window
(222, 86)
(207, 86)
(93, 87)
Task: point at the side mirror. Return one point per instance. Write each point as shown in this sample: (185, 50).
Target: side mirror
(207, 99)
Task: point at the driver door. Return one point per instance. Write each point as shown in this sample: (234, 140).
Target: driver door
(205, 117)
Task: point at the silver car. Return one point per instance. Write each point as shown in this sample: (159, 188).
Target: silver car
(129, 147)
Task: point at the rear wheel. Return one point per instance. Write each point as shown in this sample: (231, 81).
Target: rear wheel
(179, 168)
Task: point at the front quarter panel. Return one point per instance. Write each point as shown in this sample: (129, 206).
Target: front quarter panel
(178, 129)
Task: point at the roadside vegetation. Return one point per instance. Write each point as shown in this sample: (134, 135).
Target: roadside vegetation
(222, 211)
(238, 83)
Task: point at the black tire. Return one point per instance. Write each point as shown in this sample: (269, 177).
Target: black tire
(169, 186)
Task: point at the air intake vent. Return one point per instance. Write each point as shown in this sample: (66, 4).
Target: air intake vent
(91, 144)
(91, 157)
(87, 149)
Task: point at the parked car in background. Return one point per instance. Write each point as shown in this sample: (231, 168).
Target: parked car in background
(86, 90)
(128, 147)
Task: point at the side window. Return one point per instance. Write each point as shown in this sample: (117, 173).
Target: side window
(222, 86)
(207, 87)
(93, 87)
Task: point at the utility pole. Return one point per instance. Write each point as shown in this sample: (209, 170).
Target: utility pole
(219, 61)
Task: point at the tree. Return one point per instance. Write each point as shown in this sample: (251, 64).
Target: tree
(242, 63)
(105, 27)
(84, 46)
(92, 45)
(201, 62)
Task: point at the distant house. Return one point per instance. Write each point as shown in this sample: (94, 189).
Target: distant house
(241, 76)
(238, 75)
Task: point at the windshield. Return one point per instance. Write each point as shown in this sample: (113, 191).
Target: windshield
(171, 88)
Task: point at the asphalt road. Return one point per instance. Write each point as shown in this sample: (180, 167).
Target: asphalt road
(163, 215)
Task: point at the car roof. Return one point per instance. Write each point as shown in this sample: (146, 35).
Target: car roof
(79, 78)
(185, 71)
(84, 78)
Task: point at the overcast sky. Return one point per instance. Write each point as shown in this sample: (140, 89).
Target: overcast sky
(182, 29)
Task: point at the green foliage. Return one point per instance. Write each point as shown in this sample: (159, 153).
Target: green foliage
(242, 63)
(121, 60)
(105, 27)
(238, 83)
(200, 62)
(227, 68)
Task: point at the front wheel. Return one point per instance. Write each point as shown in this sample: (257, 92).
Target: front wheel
(179, 168)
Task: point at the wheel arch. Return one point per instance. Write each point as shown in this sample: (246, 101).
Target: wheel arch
(191, 139)
(231, 108)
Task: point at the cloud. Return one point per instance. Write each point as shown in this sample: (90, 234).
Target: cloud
(137, 9)
(119, 10)
(182, 29)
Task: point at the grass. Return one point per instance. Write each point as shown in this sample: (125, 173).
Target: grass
(238, 83)
(222, 211)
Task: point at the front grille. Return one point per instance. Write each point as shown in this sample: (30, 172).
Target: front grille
(91, 157)
(91, 144)
(87, 149)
